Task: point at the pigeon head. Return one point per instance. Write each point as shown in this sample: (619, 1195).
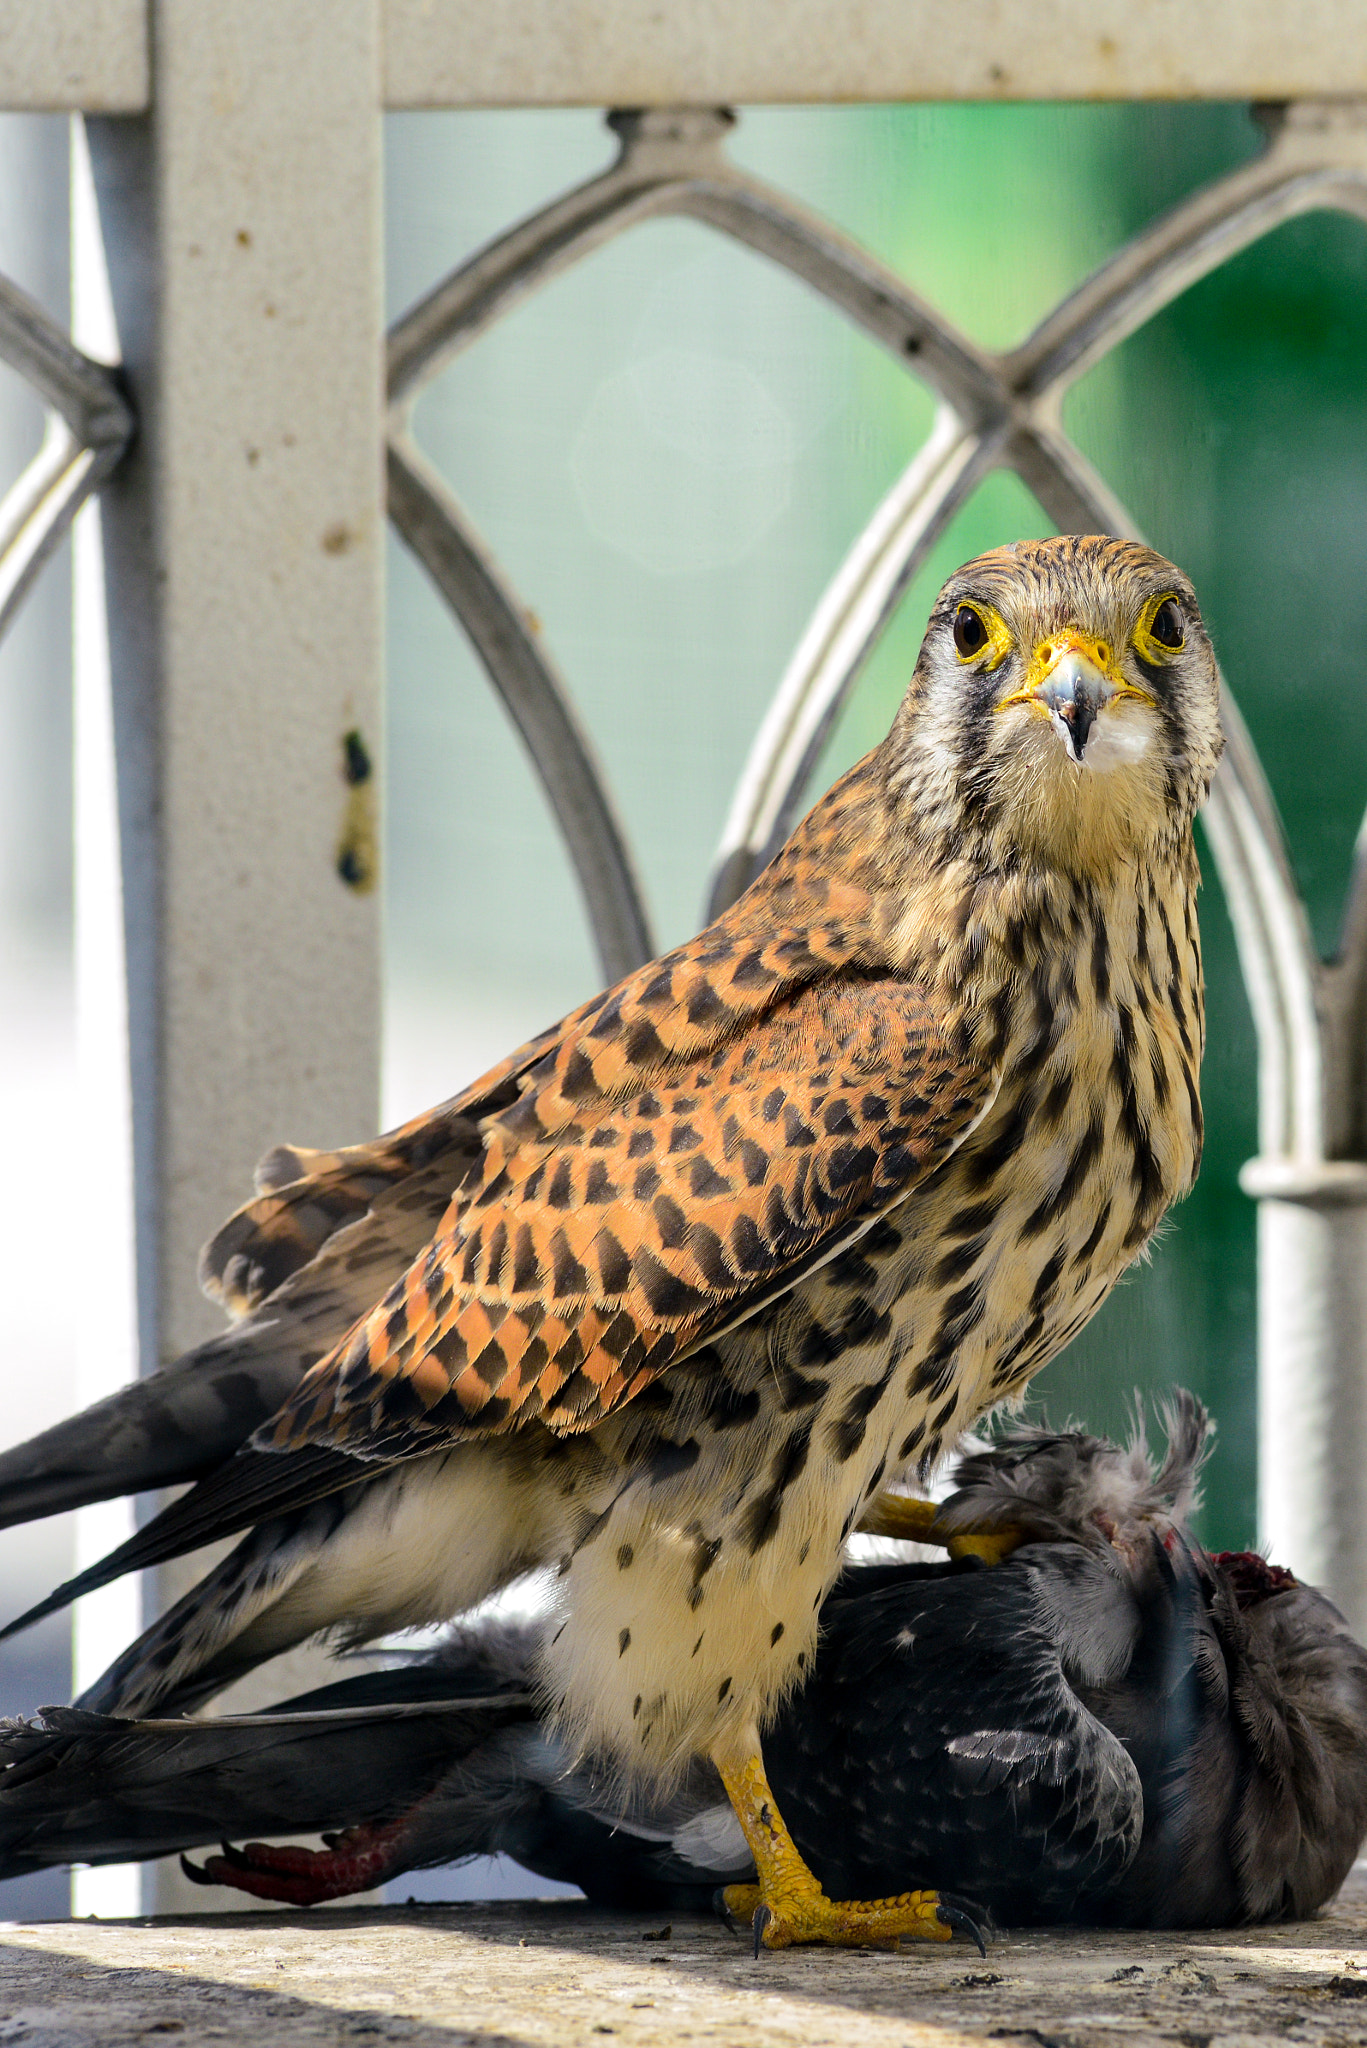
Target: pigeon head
(1070, 1487)
(1298, 1685)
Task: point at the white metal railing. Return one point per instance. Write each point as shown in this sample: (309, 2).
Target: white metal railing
(94, 56)
(89, 427)
(238, 184)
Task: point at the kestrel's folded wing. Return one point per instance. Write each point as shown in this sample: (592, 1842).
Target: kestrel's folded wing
(721, 1124)
(350, 1206)
(181, 1422)
(622, 1222)
(322, 1240)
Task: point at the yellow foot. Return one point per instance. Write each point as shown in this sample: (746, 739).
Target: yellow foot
(991, 1545)
(916, 1521)
(788, 1905)
(801, 1915)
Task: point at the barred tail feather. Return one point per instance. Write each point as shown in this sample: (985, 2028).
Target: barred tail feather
(221, 1627)
(171, 1427)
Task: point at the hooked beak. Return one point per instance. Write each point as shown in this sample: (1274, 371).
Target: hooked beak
(1073, 690)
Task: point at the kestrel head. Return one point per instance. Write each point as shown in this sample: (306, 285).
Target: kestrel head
(1065, 704)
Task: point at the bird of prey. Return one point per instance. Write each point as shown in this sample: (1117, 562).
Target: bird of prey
(671, 1293)
(1112, 1727)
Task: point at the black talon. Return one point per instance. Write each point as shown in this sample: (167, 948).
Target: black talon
(196, 1872)
(761, 1920)
(723, 1911)
(961, 1921)
(235, 1857)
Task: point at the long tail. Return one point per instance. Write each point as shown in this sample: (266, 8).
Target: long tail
(441, 1759)
(79, 1786)
(160, 1431)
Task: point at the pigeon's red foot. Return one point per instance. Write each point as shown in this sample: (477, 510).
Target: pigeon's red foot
(351, 1862)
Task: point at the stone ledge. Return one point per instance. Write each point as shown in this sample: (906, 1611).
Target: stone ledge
(501, 1976)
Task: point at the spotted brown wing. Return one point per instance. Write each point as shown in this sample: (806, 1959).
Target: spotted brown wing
(391, 1191)
(623, 1218)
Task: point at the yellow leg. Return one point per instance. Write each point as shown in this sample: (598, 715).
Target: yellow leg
(788, 1905)
(913, 1521)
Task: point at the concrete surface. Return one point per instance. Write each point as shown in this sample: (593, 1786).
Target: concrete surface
(500, 1976)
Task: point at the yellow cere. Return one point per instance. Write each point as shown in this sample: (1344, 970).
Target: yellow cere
(1051, 651)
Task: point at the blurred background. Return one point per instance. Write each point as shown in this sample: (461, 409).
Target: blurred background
(669, 451)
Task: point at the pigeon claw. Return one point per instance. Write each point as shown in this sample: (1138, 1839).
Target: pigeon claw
(291, 1876)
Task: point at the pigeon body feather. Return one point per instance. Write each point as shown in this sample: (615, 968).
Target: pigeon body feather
(1107, 1728)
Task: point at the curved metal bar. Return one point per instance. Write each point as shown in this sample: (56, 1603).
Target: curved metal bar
(1075, 496)
(89, 425)
(849, 278)
(1276, 951)
(671, 163)
(38, 508)
(1301, 172)
(658, 152)
(432, 524)
(86, 394)
(847, 622)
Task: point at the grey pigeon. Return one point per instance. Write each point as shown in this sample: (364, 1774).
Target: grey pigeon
(1110, 1727)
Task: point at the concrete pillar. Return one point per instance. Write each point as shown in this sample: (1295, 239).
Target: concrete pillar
(243, 560)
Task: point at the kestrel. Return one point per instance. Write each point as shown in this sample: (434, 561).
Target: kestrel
(1111, 1728)
(670, 1294)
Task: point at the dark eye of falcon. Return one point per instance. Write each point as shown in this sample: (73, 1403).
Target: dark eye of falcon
(970, 634)
(1168, 627)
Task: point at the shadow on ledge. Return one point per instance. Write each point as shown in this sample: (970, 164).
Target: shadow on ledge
(522, 1974)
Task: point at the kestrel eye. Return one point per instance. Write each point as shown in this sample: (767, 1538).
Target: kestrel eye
(970, 633)
(1167, 626)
